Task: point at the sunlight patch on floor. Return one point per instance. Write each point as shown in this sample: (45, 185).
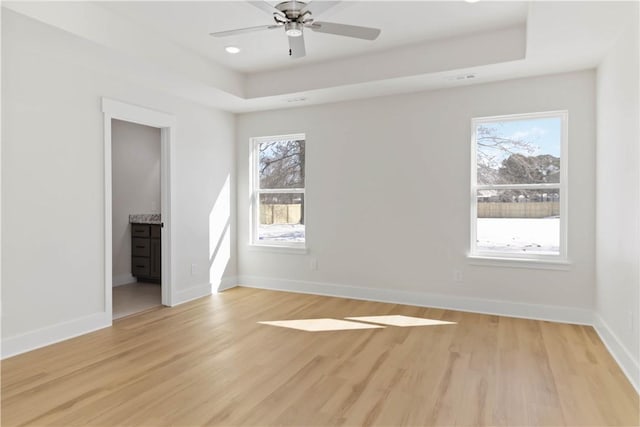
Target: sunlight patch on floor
(318, 325)
(399, 320)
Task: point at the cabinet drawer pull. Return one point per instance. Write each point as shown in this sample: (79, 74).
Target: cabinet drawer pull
(140, 266)
(140, 247)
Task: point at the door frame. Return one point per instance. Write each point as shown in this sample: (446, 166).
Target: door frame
(113, 109)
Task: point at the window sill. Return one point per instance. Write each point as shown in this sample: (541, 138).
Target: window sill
(295, 250)
(537, 264)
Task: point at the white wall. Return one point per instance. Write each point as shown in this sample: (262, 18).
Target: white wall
(53, 189)
(367, 158)
(135, 160)
(618, 200)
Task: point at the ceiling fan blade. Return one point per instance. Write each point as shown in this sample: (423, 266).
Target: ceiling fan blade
(355, 31)
(243, 30)
(266, 7)
(316, 7)
(296, 47)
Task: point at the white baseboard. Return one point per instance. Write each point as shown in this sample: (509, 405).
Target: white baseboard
(620, 353)
(123, 279)
(192, 293)
(12, 346)
(18, 344)
(423, 299)
(629, 366)
(228, 283)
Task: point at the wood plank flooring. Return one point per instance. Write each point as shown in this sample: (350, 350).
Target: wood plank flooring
(209, 362)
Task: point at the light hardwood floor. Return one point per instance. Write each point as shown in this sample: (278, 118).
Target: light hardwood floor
(209, 362)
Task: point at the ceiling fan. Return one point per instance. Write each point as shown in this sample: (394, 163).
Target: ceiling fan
(294, 16)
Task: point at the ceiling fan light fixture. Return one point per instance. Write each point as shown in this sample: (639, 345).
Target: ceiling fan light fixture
(293, 29)
(232, 49)
(294, 15)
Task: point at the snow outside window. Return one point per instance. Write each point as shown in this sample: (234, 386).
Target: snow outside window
(278, 181)
(518, 186)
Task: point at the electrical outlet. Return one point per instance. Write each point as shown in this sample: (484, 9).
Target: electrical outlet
(457, 276)
(313, 263)
(194, 269)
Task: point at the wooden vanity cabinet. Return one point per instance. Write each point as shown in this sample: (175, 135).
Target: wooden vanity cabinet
(146, 256)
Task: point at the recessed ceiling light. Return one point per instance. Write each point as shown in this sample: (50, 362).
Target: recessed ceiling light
(471, 1)
(232, 49)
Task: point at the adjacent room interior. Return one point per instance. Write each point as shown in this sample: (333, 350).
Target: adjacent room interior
(320, 213)
(136, 218)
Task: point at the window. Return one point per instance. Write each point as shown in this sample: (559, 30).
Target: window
(278, 208)
(519, 186)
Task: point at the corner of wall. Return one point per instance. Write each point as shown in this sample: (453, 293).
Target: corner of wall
(629, 366)
(228, 283)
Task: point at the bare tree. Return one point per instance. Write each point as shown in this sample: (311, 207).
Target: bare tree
(504, 160)
(282, 166)
(492, 149)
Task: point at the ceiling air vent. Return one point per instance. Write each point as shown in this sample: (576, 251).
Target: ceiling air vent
(460, 77)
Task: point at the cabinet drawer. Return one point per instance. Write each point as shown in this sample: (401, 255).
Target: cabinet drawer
(155, 231)
(140, 247)
(140, 266)
(139, 230)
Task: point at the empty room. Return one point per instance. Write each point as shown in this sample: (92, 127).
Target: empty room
(320, 213)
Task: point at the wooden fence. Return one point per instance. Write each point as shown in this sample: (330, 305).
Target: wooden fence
(280, 214)
(291, 214)
(518, 210)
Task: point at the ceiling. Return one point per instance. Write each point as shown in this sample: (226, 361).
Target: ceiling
(402, 23)
(424, 45)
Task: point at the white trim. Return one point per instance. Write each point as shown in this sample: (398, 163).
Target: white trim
(137, 114)
(113, 109)
(289, 250)
(553, 313)
(227, 283)
(520, 116)
(502, 258)
(550, 186)
(108, 218)
(281, 190)
(629, 366)
(287, 137)
(1, 258)
(518, 263)
(167, 137)
(189, 294)
(294, 247)
(123, 279)
(12, 346)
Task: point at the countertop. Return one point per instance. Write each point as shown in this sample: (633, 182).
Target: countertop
(145, 219)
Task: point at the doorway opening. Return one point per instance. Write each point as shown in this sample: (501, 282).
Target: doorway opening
(136, 218)
(138, 273)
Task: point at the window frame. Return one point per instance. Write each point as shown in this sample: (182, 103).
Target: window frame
(256, 191)
(562, 186)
